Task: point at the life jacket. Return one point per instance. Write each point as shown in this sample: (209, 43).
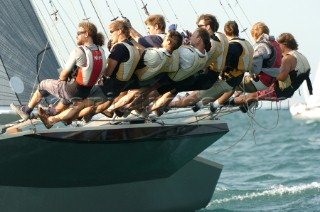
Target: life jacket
(245, 60)
(95, 63)
(295, 78)
(274, 61)
(218, 53)
(165, 62)
(198, 63)
(126, 69)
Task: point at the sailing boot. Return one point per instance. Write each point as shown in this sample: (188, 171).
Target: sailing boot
(44, 118)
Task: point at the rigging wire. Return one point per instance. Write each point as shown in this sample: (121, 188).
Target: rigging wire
(176, 16)
(60, 36)
(75, 11)
(99, 20)
(193, 8)
(49, 33)
(224, 9)
(144, 26)
(67, 14)
(118, 8)
(57, 14)
(84, 12)
(243, 29)
(113, 16)
(145, 8)
(237, 3)
(164, 14)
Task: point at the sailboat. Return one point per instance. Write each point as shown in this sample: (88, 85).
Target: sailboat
(121, 164)
(310, 109)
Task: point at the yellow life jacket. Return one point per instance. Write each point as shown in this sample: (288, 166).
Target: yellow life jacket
(245, 59)
(218, 53)
(127, 68)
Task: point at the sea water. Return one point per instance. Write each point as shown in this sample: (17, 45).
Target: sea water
(271, 163)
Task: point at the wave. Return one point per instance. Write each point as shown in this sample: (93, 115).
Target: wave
(275, 191)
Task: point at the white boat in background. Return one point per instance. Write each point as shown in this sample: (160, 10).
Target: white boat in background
(310, 109)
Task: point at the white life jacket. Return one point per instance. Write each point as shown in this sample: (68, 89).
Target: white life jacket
(95, 64)
(162, 61)
(190, 62)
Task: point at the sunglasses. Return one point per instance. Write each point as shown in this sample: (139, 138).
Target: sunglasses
(81, 32)
(201, 25)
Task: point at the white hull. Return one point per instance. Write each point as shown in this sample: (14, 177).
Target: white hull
(302, 112)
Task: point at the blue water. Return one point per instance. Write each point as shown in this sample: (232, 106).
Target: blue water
(271, 163)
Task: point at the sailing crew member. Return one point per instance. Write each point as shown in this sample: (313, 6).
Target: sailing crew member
(266, 60)
(295, 69)
(238, 61)
(156, 27)
(84, 66)
(192, 59)
(153, 65)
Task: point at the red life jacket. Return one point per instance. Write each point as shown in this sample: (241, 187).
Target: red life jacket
(95, 63)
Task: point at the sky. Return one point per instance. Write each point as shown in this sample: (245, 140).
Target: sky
(297, 17)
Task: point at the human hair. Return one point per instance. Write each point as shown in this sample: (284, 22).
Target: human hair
(231, 28)
(205, 36)
(122, 25)
(156, 20)
(97, 38)
(175, 39)
(288, 40)
(258, 29)
(209, 20)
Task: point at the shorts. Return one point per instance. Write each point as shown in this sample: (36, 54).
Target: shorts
(56, 88)
(218, 88)
(268, 94)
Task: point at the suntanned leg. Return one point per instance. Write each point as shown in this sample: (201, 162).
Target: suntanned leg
(35, 99)
(126, 99)
(164, 100)
(242, 100)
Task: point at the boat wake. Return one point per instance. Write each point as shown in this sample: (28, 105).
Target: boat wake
(275, 191)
